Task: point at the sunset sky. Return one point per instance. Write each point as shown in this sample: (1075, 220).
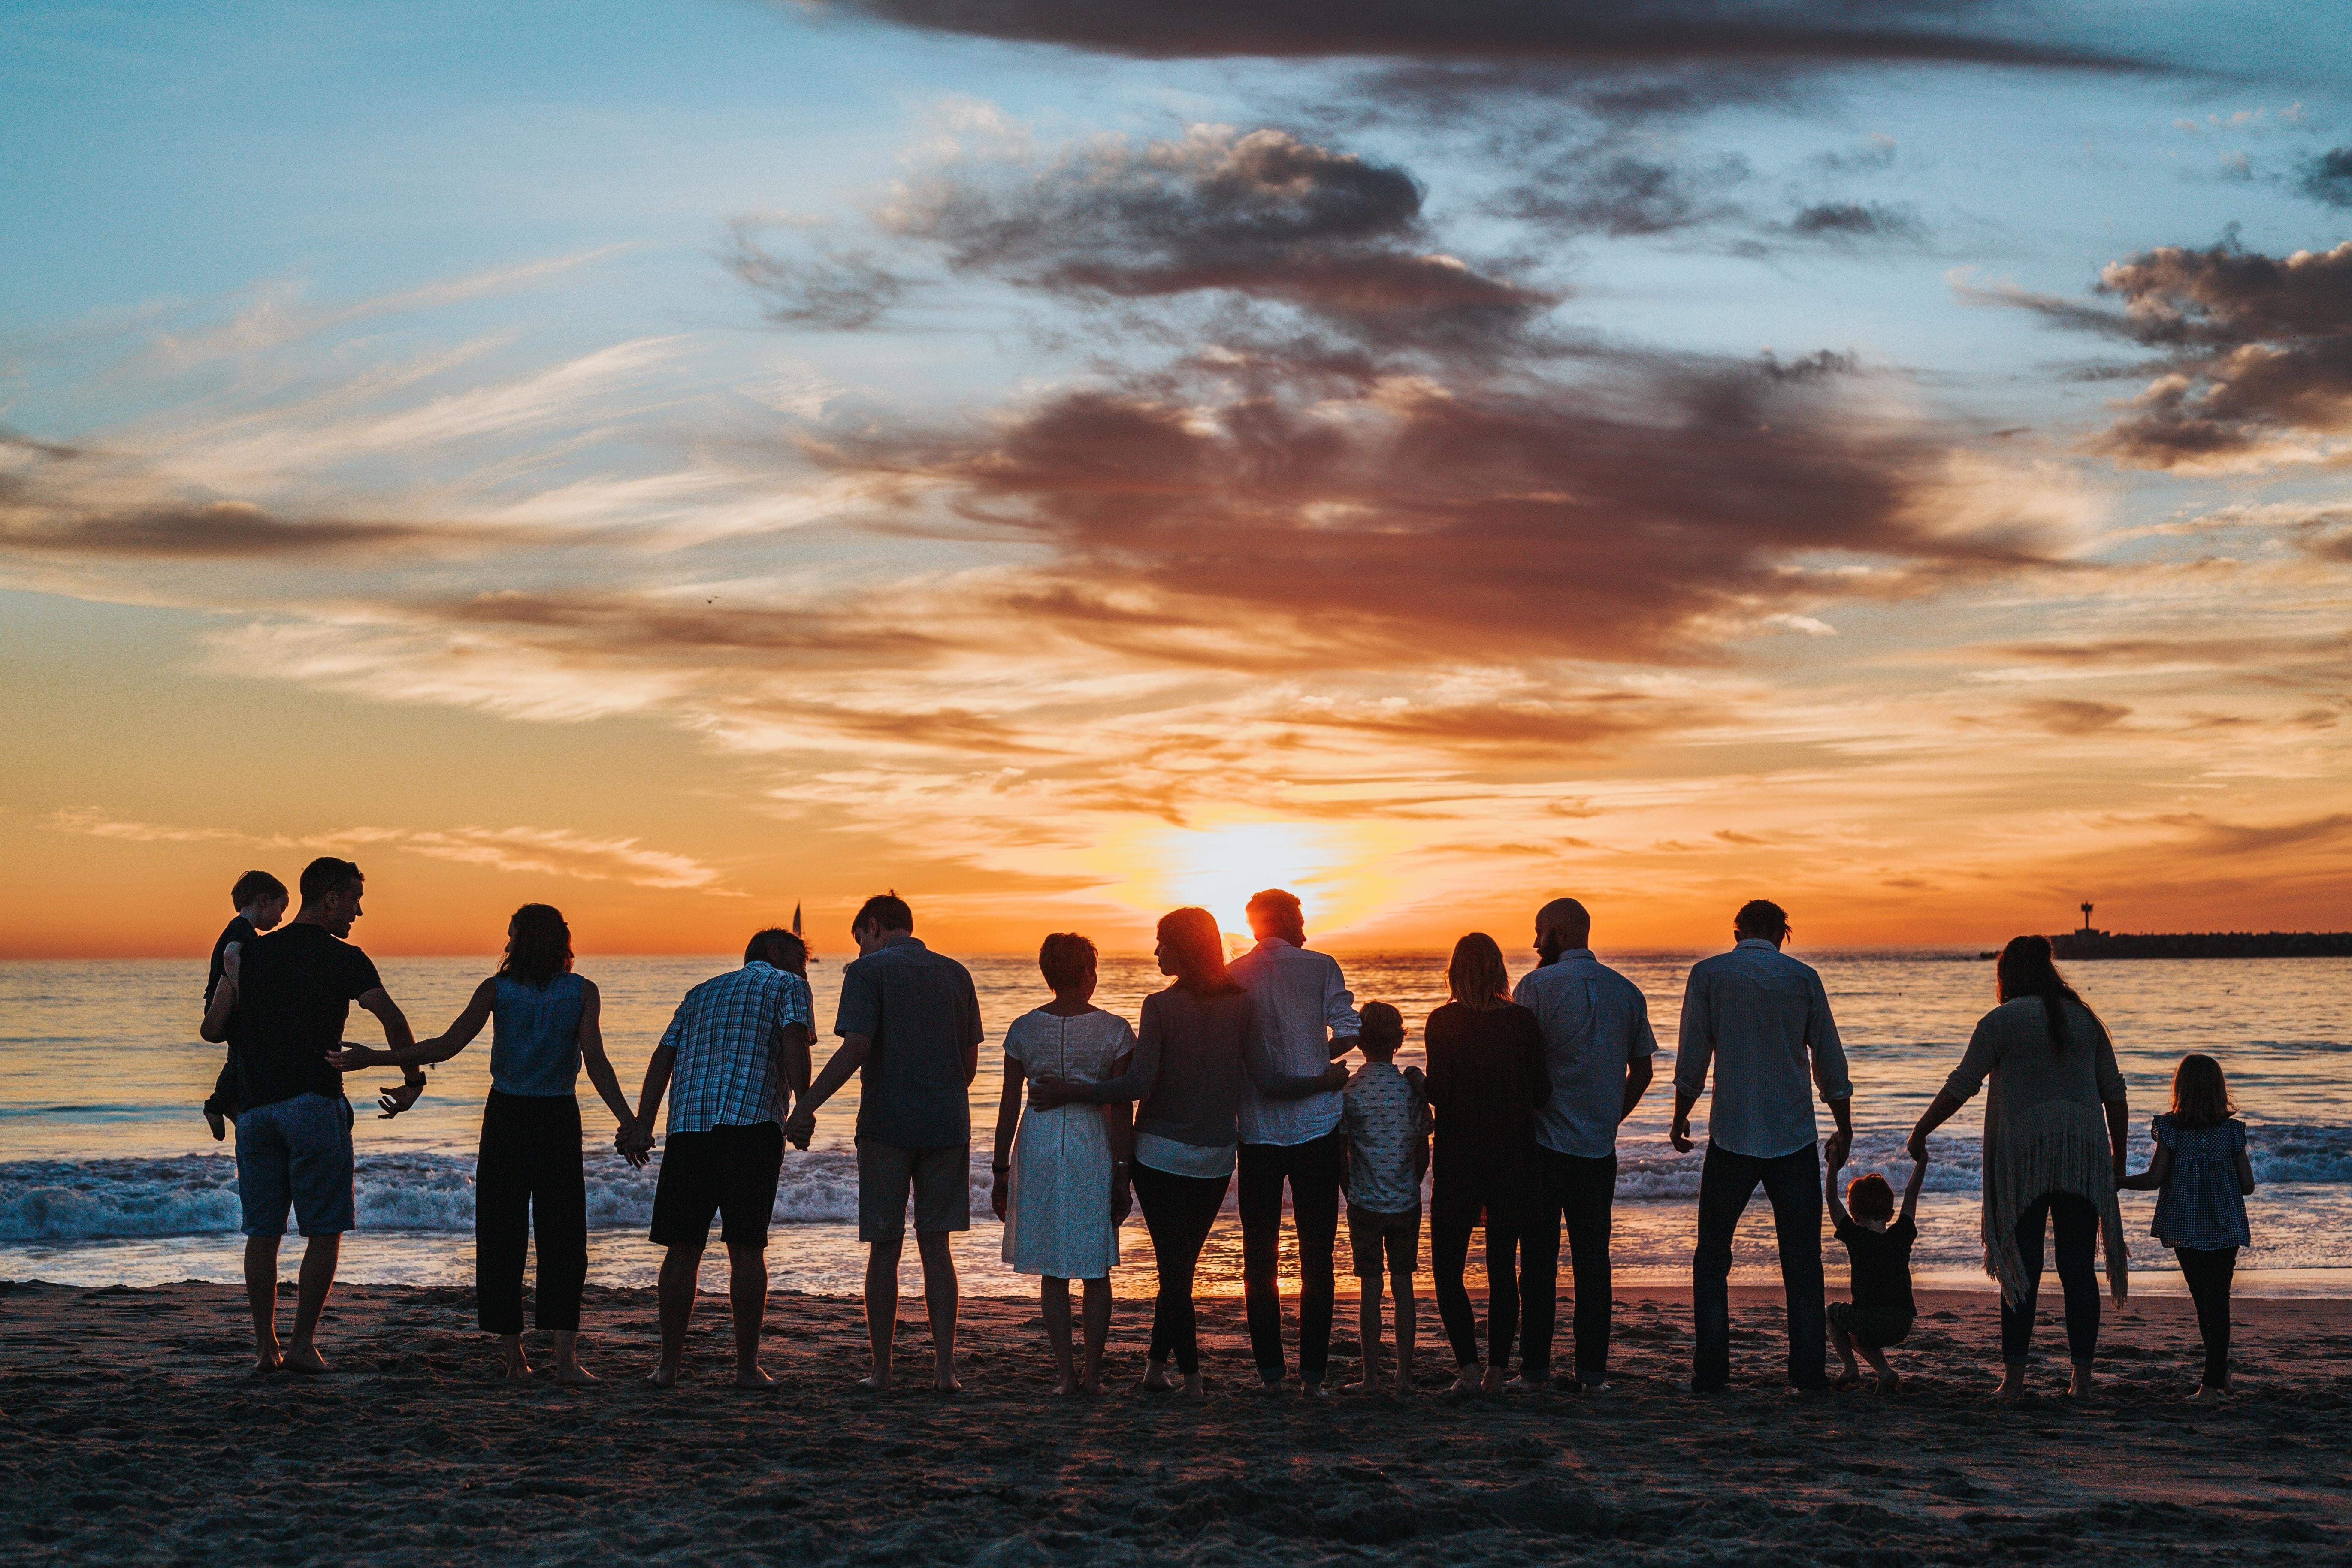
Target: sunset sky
(1060, 460)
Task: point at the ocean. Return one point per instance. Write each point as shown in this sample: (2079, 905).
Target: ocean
(108, 1174)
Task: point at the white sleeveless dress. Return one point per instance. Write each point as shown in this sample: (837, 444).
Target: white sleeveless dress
(1058, 1219)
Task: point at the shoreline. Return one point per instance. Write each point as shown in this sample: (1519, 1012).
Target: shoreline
(135, 1433)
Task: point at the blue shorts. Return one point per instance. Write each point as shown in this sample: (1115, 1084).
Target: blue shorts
(296, 1153)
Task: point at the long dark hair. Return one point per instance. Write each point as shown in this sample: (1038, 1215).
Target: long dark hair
(2027, 969)
(1476, 976)
(539, 946)
(2201, 1094)
(1192, 938)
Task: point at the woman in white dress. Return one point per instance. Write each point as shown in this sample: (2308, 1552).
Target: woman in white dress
(1061, 1185)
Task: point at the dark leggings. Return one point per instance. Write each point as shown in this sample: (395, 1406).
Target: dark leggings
(1449, 1251)
(1179, 1212)
(529, 1178)
(2207, 1274)
(2076, 1220)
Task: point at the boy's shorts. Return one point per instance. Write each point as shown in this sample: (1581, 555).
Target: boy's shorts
(1370, 1232)
(729, 1171)
(1873, 1330)
(297, 1154)
(939, 1180)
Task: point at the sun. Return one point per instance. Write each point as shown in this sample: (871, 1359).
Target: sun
(1337, 869)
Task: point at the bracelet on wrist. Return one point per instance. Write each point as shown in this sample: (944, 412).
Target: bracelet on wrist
(1000, 1169)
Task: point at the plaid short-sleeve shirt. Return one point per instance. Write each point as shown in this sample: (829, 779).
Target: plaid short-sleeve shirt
(725, 1036)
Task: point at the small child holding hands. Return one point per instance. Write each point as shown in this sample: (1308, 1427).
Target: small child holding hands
(1385, 1114)
(2201, 1176)
(1879, 1316)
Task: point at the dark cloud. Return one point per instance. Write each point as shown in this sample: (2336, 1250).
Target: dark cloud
(195, 531)
(1263, 215)
(2074, 716)
(1596, 190)
(1592, 33)
(1855, 220)
(610, 624)
(2257, 350)
(1553, 728)
(1212, 518)
(2220, 837)
(839, 291)
(2328, 177)
(2272, 652)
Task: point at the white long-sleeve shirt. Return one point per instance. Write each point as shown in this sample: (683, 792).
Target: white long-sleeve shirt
(1301, 1003)
(1758, 1014)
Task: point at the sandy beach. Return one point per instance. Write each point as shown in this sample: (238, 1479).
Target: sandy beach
(135, 1433)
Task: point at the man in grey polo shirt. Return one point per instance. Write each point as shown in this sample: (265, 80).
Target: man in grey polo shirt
(1758, 1016)
(1597, 1049)
(909, 1027)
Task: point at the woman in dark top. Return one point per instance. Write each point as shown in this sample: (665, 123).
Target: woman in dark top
(1486, 1079)
(1198, 1038)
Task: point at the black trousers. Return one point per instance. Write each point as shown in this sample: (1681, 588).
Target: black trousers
(1449, 1251)
(1793, 1183)
(2208, 1274)
(1314, 1171)
(1581, 1191)
(2076, 1220)
(528, 1179)
(1179, 1212)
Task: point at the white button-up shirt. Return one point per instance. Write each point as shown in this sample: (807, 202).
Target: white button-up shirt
(1594, 1022)
(1757, 1014)
(1301, 1005)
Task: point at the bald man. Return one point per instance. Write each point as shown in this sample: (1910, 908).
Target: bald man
(1597, 1049)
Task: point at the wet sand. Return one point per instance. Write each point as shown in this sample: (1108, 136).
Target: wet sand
(131, 1431)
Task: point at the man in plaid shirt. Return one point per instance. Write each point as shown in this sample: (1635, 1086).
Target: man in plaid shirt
(737, 1048)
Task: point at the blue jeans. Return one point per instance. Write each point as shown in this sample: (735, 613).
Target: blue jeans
(1793, 1183)
(296, 1153)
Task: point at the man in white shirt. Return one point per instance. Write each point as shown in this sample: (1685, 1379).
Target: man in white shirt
(1596, 1048)
(1305, 1021)
(1758, 1014)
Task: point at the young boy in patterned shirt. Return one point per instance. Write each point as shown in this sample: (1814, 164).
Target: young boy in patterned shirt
(1385, 1116)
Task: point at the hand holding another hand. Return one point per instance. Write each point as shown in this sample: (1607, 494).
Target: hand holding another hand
(800, 1127)
(392, 1098)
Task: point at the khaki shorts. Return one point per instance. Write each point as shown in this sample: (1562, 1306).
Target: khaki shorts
(1371, 1233)
(940, 1179)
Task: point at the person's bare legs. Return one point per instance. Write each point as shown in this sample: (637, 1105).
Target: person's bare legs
(1054, 1300)
(746, 1293)
(1406, 1328)
(942, 1295)
(681, 1269)
(1888, 1378)
(261, 1296)
(1097, 1329)
(311, 1287)
(881, 1308)
(513, 1364)
(567, 1369)
(1368, 1335)
(1843, 1342)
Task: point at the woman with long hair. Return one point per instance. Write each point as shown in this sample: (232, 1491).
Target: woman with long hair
(2055, 1126)
(1198, 1038)
(1485, 1079)
(528, 1178)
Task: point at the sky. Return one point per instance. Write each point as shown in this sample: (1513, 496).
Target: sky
(1058, 462)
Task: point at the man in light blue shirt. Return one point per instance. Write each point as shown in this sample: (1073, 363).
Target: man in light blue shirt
(1763, 1020)
(1596, 1048)
(1306, 1020)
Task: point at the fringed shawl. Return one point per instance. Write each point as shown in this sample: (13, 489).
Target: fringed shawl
(2045, 1130)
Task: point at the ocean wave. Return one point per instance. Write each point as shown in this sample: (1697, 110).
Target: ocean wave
(195, 1195)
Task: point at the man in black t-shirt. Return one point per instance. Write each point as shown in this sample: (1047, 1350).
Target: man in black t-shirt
(287, 995)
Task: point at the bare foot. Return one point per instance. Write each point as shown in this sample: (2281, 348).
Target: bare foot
(1365, 1385)
(217, 1122)
(1523, 1384)
(572, 1375)
(1155, 1377)
(2078, 1387)
(1849, 1378)
(1091, 1387)
(266, 1358)
(875, 1382)
(1404, 1384)
(664, 1374)
(753, 1376)
(1272, 1387)
(1495, 1381)
(306, 1360)
(1470, 1380)
(2012, 1384)
(946, 1383)
(1889, 1380)
(1196, 1389)
(514, 1366)
(1068, 1384)
(1313, 1391)
(2209, 1394)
